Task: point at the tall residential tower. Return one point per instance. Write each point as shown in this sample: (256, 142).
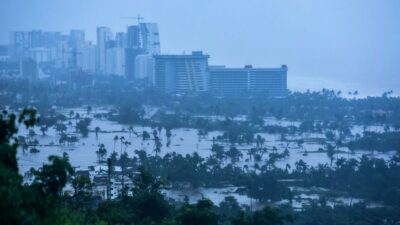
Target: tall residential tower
(103, 36)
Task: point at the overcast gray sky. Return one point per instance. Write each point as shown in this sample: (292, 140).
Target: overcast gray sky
(341, 44)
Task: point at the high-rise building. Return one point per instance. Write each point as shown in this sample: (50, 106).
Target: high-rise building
(150, 38)
(145, 36)
(133, 37)
(86, 57)
(71, 51)
(51, 39)
(4, 50)
(181, 73)
(231, 81)
(121, 40)
(63, 55)
(115, 61)
(28, 68)
(103, 36)
(9, 68)
(141, 39)
(130, 61)
(144, 67)
(42, 54)
(36, 39)
(20, 42)
(76, 38)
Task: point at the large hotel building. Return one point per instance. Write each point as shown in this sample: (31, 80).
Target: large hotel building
(234, 81)
(181, 73)
(192, 74)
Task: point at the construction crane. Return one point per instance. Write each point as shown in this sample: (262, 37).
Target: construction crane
(138, 18)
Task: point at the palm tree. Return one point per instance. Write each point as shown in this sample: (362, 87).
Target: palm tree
(126, 144)
(234, 154)
(145, 135)
(287, 168)
(115, 141)
(43, 129)
(168, 133)
(55, 175)
(25, 147)
(155, 133)
(97, 130)
(63, 139)
(251, 152)
(130, 129)
(300, 143)
(71, 114)
(331, 152)
(301, 166)
(61, 128)
(77, 117)
(101, 152)
(141, 155)
(122, 139)
(259, 141)
(88, 109)
(109, 166)
(218, 151)
(123, 158)
(157, 145)
(31, 135)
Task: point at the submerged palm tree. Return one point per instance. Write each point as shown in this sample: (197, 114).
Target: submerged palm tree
(130, 129)
(97, 130)
(122, 139)
(331, 152)
(115, 141)
(157, 145)
(101, 152)
(126, 144)
(44, 129)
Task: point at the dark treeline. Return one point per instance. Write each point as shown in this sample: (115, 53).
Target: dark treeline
(377, 141)
(326, 105)
(324, 112)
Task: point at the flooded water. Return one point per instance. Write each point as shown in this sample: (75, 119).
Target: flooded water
(217, 195)
(183, 141)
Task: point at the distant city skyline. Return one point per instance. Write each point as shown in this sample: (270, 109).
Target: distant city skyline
(331, 44)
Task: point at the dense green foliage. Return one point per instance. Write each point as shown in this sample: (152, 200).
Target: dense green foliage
(377, 141)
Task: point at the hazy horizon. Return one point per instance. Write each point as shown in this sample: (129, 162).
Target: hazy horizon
(332, 44)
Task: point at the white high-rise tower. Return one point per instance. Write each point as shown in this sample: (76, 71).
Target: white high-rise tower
(103, 36)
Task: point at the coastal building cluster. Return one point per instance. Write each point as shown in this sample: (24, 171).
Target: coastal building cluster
(135, 55)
